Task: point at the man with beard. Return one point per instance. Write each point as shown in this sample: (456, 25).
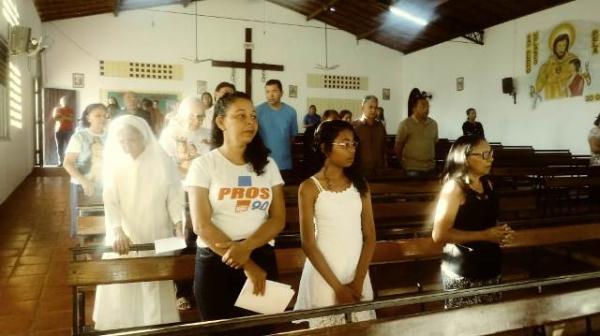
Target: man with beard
(554, 75)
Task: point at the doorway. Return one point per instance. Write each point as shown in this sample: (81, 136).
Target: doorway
(51, 100)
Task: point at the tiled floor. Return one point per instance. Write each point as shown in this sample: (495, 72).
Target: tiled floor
(34, 255)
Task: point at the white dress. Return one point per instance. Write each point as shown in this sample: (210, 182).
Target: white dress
(338, 231)
(146, 212)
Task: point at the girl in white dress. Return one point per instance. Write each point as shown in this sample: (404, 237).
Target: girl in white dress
(143, 201)
(336, 225)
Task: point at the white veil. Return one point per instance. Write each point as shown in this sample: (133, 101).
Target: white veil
(139, 193)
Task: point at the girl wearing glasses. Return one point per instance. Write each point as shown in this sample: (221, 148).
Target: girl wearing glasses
(466, 222)
(336, 226)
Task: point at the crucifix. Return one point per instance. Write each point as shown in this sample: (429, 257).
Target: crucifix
(247, 64)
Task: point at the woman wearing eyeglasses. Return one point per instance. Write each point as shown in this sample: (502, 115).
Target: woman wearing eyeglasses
(466, 222)
(336, 226)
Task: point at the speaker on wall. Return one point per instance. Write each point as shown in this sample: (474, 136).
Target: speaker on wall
(18, 39)
(508, 85)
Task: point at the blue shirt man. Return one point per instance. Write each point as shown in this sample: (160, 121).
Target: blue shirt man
(277, 124)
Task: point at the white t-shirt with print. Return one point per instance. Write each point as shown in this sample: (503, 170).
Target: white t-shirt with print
(89, 147)
(240, 199)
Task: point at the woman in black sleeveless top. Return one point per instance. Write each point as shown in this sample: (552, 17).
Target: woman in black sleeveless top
(465, 221)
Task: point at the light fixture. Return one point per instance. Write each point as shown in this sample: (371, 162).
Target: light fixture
(332, 9)
(408, 16)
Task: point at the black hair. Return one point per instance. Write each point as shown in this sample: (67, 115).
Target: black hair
(256, 153)
(328, 113)
(86, 112)
(456, 167)
(597, 121)
(577, 63)
(382, 115)
(559, 38)
(324, 137)
(413, 98)
(275, 82)
(224, 84)
(344, 112)
(116, 101)
(367, 98)
(146, 103)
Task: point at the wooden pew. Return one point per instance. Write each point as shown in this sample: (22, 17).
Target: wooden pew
(290, 261)
(477, 320)
(89, 227)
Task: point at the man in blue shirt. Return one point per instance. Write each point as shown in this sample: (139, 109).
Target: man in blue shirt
(277, 124)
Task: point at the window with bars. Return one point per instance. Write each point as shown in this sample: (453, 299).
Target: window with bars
(4, 73)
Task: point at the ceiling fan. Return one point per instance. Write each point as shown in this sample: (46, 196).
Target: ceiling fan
(195, 60)
(326, 67)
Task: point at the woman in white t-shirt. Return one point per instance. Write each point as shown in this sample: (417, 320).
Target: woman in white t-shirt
(83, 158)
(237, 209)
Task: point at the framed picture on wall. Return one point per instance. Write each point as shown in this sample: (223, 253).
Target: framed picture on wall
(460, 83)
(293, 91)
(78, 80)
(385, 94)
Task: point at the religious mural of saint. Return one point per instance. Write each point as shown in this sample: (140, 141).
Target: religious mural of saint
(560, 76)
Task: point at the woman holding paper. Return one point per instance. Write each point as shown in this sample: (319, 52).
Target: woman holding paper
(237, 208)
(143, 202)
(336, 225)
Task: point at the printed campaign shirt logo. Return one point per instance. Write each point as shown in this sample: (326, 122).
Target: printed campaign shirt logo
(247, 197)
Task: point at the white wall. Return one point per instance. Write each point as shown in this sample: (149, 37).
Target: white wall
(163, 35)
(553, 124)
(16, 154)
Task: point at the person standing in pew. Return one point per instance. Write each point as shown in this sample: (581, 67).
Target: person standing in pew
(237, 209)
(278, 125)
(143, 202)
(336, 227)
(594, 142)
(466, 222)
(416, 138)
(472, 127)
(83, 158)
(184, 139)
(372, 134)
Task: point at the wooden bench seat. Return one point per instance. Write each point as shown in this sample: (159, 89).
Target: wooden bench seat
(290, 261)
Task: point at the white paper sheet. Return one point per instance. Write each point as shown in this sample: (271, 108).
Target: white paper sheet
(276, 298)
(169, 244)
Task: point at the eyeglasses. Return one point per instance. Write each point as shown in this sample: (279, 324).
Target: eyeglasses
(485, 155)
(347, 144)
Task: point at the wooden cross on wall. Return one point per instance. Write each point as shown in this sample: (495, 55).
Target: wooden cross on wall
(247, 64)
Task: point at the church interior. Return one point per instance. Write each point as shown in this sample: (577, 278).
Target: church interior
(95, 97)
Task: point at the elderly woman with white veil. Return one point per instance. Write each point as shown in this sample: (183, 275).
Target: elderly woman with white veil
(185, 139)
(143, 201)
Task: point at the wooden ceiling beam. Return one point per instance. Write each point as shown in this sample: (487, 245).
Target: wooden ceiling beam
(61, 16)
(319, 11)
(75, 8)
